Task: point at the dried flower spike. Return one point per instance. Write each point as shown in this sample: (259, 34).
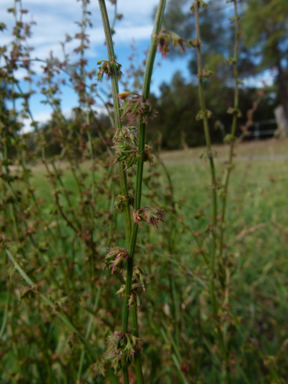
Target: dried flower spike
(105, 67)
(149, 215)
(115, 257)
(165, 38)
(136, 108)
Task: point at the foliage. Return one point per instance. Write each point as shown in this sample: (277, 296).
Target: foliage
(264, 43)
(178, 106)
(265, 29)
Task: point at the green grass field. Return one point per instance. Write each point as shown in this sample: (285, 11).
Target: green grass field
(257, 249)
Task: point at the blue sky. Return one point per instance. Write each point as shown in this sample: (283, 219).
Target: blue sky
(54, 18)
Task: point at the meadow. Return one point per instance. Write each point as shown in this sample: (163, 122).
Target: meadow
(175, 308)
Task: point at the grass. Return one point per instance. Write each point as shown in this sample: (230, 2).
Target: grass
(257, 214)
(257, 247)
(256, 234)
(257, 230)
(258, 190)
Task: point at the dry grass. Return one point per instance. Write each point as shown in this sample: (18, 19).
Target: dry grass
(264, 149)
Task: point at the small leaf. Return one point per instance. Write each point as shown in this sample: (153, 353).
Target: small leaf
(2, 26)
(200, 3)
(229, 138)
(234, 111)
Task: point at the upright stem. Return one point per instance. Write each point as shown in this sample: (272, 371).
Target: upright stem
(211, 161)
(123, 176)
(117, 114)
(139, 178)
(214, 196)
(142, 127)
(233, 130)
(228, 171)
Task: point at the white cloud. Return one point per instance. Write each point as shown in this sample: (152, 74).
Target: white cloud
(135, 32)
(54, 19)
(44, 117)
(40, 117)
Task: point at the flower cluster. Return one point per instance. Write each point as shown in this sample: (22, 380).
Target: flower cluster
(126, 147)
(229, 139)
(138, 286)
(208, 154)
(139, 283)
(115, 257)
(193, 43)
(205, 74)
(136, 108)
(28, 292)
(120, 202)
(120, 347)
(203, 114)
(234, 111)
(149, 215)
(163, 40)
(106, 67)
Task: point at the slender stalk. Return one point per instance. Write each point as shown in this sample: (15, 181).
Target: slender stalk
(214, 195)
(142, 127)
(211, 161)
(233, 130)
(139, 178)
(139, 175)
(117, 114)
(228, 169)
(123, 176)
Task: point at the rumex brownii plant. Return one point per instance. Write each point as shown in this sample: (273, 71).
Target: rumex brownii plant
(220, 304)
(65, 255)
(219, 262)
(134, 109)
(24, 214)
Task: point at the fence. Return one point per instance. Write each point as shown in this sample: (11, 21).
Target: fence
(257, 132)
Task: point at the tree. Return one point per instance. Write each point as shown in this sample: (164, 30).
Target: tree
(264, 43)
(178, 106)
(216, 33)
(265, 34)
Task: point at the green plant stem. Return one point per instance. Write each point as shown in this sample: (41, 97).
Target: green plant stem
(117, 114)
(123, 176)
(46, 300)
(214, 196)
(139, 178)
(142, 128)
(233, 130)
(229, 168)
(139, 175)
(211, 161)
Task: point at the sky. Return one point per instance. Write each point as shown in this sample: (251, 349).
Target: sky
(55, 18)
